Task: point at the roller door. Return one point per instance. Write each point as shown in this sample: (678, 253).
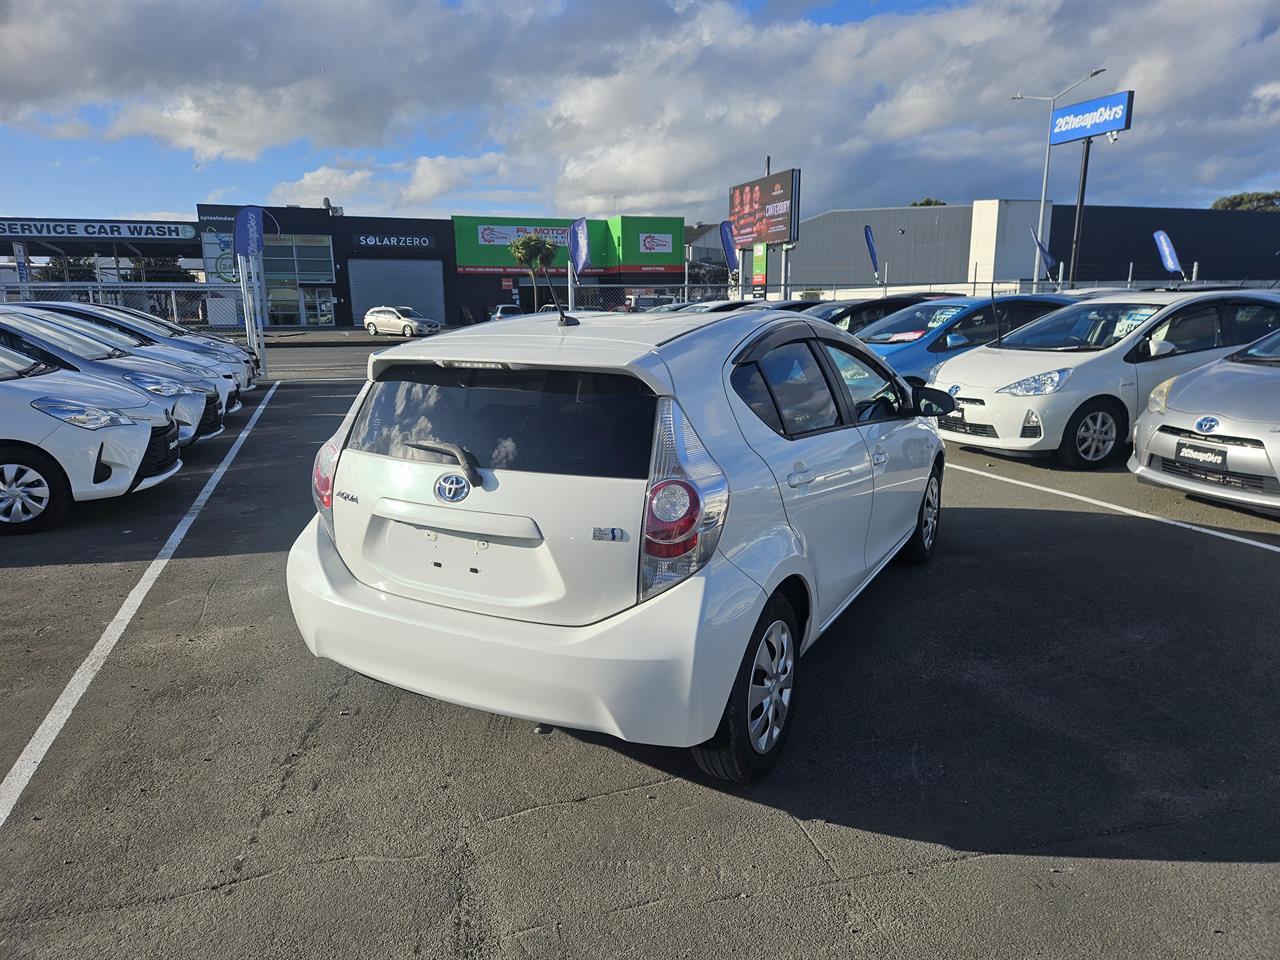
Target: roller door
(395, 283)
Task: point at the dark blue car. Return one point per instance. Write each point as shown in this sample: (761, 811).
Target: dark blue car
(917, 339)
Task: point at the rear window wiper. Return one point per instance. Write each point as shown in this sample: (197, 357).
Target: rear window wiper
(465, 460)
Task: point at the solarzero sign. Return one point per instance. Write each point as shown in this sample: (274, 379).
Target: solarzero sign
(95, 230)
(1092, 118)
(381, 240)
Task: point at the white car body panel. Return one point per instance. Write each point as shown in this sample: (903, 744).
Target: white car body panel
(75, 448)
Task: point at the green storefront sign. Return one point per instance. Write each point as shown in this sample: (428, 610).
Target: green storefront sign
(618, 244)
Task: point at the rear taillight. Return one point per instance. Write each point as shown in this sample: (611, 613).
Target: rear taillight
(685, 504)
(322, 471)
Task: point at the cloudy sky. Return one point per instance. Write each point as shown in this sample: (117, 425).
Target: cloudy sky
(593, 107)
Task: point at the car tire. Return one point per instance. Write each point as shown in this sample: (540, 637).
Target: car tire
(372, 328)
(771, 657)
(407, 331)
(1094, 435)
(43, 483)
(924, 540)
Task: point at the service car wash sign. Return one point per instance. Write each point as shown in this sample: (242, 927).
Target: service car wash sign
(95, 230)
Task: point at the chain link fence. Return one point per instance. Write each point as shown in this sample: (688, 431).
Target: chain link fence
(190, 304)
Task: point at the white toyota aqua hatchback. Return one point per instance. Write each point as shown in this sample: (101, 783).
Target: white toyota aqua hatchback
(635, 524)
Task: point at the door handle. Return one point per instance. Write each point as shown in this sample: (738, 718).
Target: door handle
(879, 458)
(798, 478)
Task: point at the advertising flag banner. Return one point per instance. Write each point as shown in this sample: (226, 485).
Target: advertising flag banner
(1168, 256)
(579, 246)
(871, 249)
(248, 232)
(1045, 258)
(726, 241)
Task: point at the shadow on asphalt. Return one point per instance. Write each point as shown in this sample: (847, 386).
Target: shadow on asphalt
(1054, 683)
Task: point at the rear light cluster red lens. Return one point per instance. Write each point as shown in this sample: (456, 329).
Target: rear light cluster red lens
(671, 520)
(322, 473)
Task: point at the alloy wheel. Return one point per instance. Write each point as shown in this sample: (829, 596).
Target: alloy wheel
(24, 493)
(1096, 436)
(929, 527)
(769, 695)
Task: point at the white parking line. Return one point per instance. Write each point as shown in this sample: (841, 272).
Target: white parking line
(20, 775)
(1221, 535)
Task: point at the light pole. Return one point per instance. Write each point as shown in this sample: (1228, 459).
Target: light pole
(1044, 180)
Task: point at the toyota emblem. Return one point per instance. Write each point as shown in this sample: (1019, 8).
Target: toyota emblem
(953, 389)
(1206, 424)
(452, 488)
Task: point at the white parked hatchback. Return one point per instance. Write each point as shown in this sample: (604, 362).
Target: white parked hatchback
(400, 321)
(67, 436)
(1075, 380)
(633, 525)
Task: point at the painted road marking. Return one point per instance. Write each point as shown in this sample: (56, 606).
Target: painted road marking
(24, 769)
(1221, 535)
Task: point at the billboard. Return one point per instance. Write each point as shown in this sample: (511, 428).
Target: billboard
(619, 244)
(1092, 118)
(766, 210)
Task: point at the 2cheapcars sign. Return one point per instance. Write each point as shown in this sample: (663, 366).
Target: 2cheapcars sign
(766, 210)
(95, 230)
(1092, 118)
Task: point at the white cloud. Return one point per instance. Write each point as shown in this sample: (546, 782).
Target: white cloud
(566, 105)
(312, 187)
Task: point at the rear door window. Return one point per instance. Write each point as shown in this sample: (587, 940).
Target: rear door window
(1253, 320)
(537, 421)
(804, 399)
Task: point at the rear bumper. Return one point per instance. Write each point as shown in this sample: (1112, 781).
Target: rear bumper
(659, 672)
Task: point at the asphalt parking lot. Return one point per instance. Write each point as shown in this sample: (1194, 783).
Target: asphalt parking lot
(1060, 739)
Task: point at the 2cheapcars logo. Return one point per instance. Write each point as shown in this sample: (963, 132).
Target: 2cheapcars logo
(655, 242)
(1074, 121)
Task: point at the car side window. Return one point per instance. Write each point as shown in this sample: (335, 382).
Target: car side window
(1192, 329)
(979, 327)
(1024, 311)
(871, 395)
(804, 400)
(1253, 320)
(748, 383)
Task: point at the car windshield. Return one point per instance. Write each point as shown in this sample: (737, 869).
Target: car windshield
(408, 312)
(1266, 350)
(14, 365)
(825, 311)
(1084, 326)
(911, 323)
(75, 343)
(151, 327)
(115, 338)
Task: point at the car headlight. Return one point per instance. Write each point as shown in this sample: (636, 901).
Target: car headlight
(1159, 398)
(81, 414)
(932, 375)
(160, 386)
(1050, 381)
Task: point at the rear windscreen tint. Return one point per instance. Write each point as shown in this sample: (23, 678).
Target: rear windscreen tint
(537, 421)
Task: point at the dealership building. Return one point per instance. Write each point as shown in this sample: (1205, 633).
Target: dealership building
(991, 240)
(324, 269)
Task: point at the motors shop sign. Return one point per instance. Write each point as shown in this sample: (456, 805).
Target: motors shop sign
(501, 234)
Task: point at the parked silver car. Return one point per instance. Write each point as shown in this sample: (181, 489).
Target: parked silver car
(1215, 432)
(400, 321)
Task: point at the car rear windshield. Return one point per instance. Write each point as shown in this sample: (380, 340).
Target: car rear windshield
(911, 323)
(536, 421)
(1085, 326)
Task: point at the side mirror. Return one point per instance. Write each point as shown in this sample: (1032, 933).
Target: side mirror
(955, 341)
(1154, 349)
(933, 403)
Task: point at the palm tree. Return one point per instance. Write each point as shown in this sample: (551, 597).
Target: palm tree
(532, 251)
